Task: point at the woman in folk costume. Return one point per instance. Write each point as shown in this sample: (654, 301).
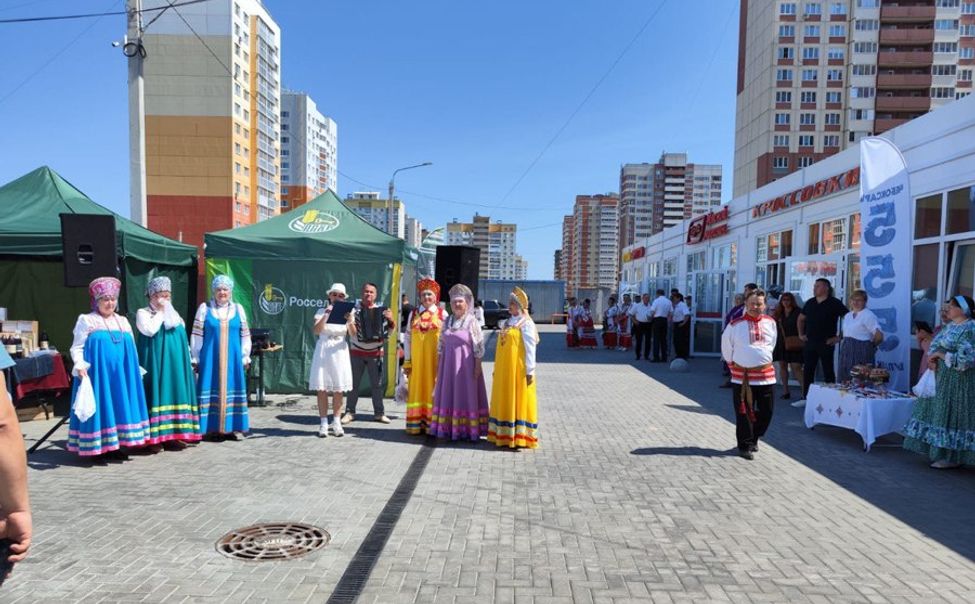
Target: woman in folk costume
(513, 420)
(103, 351)
(611, 324)
(586, 326)
(420, 353)
(331, 366)
(623, 324)
(164, 352)
(460, 403)
(570, 326)
(221, 348)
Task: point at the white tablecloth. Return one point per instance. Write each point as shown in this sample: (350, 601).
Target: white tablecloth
(868, 417)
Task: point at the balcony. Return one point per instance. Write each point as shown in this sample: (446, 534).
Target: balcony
(904, 59)
(883, 125)
(907, 14)
(906, 36)
(903, 103)
(904, 80)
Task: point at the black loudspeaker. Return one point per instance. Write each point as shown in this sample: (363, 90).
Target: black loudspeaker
(89, 248)
(457, 264)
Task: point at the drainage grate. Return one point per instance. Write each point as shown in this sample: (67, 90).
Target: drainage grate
(272, 541)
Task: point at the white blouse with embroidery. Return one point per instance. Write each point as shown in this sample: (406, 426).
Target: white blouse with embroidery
(87, 324)
(528, 339)
(224, 313)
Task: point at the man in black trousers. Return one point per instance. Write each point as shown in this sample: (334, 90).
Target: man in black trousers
(662, 310)
(641, 314)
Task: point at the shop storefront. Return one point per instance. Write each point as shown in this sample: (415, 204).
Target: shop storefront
(808, 225)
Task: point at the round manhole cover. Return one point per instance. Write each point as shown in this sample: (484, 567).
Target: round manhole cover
(272, 541)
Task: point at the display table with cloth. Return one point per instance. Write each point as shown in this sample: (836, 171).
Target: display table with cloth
(869, 413)
(44, 372)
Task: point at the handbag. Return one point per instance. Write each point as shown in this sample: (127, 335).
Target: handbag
(925, 386)
(84, 400)
(793, 343)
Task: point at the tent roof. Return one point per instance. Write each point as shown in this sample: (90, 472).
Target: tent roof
(323, 228)
(31, 225)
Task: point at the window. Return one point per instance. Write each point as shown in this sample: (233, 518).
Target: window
(831, 140)
(832, 119)
(813, 8)
(965, 75)
(811, 31)
(237, 148)
(696, 261)
(783, 75)
(783, 96)
(236, 108)
(285, 114)
(960, 214)
(967, 31)
(787, 52)
(828, 237)
(285, 165)
(837, 8)
(771, 251)
(284, 126)
(966, 53)
(943, 70)
(808, 96)
(806, 140)
(285, 140)
(944, 24)
(837, 31)
(810, 52)
(834, 75)
(780, 140)
(805, 162)
(927, 216)
(862, 92)
(864, 47)
(942, 92)
(236, 168)
(810, 75)
(945, 47)
(961, 95)
(780, 162)
(947, 3)
(861, 114)
(285, 152)
(787, 31)
(968, 8)
(807, 119)
(864, 70)
(787, 8)
(866, 25)
(836, 53)
(868, 3)
(834, 97)
(781, 119)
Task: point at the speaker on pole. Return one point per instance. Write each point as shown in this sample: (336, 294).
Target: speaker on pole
(89, 248)
(457, 264)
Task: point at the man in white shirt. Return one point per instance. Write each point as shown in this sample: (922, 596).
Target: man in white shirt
(661, 309)
(682, 327)
(642, 314)
(746, 346)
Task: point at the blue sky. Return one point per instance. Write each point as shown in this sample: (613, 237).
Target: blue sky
(479, 89)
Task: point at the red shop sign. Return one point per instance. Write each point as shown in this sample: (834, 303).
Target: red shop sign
(827, 186)
(708, 226)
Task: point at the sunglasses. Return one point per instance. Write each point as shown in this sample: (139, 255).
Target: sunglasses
(338, 295)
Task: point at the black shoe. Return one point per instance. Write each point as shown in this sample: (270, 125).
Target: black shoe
(725, 385)
(744, 454)
(786, 395)
(753, 448)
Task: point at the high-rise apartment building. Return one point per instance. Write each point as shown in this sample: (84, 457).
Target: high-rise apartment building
(590, 243)
(557, 270)
(496, 241)
(413, 232)
(374, 209)
(309, 150)
(212, 98)
(815, 77)
(656, 196)
(521, 268)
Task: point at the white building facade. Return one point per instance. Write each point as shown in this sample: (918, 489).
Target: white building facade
(309, 150)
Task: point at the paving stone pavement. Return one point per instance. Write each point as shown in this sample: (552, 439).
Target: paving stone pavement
(634, 496)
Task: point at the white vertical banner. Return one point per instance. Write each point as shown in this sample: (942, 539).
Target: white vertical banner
(885, 251)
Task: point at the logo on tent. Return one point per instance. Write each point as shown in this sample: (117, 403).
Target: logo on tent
(271, 300)
(314, 221)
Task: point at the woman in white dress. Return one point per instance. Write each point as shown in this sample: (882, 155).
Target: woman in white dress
(331, 369)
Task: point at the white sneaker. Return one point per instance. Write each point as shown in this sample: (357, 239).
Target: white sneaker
(323, 430)
(799, 404)
(337, 427)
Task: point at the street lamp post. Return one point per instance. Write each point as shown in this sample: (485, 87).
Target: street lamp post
(392, 187)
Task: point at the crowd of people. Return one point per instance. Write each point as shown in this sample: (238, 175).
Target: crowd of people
(154, 387)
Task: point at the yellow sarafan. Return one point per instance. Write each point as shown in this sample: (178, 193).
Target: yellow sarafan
(514, 406)
(424, 336)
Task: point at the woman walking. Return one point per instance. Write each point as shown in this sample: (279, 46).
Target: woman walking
(859, 336)
(943, 426)
(164, 352)
(103, 352)
(331, 367)
(221, 349)
(460, 403)
(513, 420)
(420, 348)
(788, 346)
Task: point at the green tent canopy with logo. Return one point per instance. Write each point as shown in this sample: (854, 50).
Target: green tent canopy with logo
(282, 268)
(31, 270)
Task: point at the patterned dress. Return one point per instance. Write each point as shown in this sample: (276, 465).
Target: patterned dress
(420, 349)
(513, 420)
(222, 346)
(105, 347)
(943, 426)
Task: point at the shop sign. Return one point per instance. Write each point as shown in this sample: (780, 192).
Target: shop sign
(634, 254)
(708, 226)
(827, 186)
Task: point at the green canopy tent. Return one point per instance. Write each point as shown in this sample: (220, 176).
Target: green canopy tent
(283, 267)
(31, 270)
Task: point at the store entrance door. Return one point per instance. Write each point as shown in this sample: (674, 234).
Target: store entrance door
(804, 270)
(711, 291)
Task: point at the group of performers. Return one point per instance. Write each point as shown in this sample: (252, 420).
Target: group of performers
(617, 332)
(162, 390)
